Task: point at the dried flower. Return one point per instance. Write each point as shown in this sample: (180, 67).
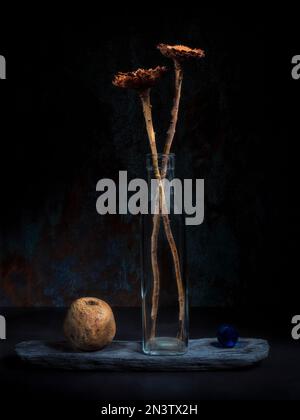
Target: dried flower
(140, 79)
(180, 52)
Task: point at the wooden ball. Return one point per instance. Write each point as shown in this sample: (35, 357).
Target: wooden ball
(90, 324)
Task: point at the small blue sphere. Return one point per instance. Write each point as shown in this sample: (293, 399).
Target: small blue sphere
(227, 336)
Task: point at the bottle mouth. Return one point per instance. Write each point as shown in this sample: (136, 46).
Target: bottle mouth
(163, 160)
(172, 155)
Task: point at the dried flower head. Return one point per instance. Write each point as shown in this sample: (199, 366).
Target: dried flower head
(180, 52)
(139, 79)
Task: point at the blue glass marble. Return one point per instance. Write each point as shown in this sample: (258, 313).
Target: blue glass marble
(227, 336)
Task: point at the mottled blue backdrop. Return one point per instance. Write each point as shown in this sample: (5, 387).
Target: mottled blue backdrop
(71, 127)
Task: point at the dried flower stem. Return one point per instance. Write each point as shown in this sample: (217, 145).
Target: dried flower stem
(174, 114)
(156, 285)
(147, 109)
(145, 98)
(142, 80)
(169, 140)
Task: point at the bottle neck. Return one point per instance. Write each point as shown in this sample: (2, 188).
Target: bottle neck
(161, 165)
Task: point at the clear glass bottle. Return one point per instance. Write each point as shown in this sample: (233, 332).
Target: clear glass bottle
(164, 288)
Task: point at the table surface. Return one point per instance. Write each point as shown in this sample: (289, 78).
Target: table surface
(275, 379)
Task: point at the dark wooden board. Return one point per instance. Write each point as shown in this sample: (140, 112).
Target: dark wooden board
(204, 354)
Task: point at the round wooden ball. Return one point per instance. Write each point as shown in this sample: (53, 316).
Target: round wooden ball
(90, 324)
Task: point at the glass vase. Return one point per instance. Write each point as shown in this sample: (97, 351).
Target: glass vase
(164, 288)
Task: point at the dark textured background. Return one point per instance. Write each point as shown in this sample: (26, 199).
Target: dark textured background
(67, 127)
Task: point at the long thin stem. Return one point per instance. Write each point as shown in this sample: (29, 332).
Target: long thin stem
(174, 115)
(147, 109)
(145, 98)
(156, 286)
(169, 140)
